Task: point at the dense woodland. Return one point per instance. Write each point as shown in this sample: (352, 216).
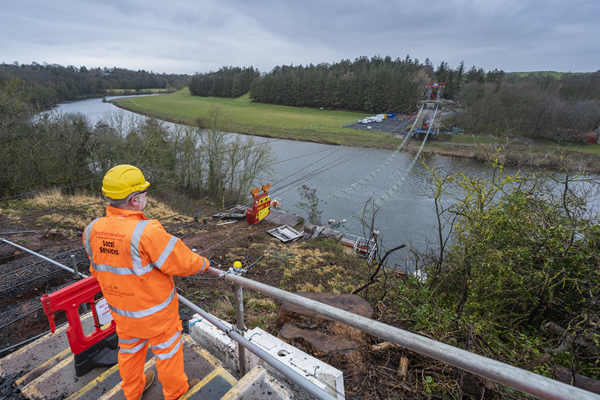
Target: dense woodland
(226, 82)
(52, 83)
(537, 105)
(372, 85)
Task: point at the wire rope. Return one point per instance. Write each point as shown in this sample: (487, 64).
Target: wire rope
(356, 185)
(356, 218)
(152, 191)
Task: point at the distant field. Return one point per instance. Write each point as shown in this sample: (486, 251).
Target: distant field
(121, 91)
(262, 119)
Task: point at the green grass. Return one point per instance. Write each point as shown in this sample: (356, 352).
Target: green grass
(269, 120)
(588, 148)
(307, 124)
(121, 91)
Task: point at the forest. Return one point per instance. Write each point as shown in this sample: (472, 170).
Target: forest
(536, 105)
(53, 83)
(226, 82)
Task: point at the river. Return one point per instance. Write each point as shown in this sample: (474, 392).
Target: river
(405, 218)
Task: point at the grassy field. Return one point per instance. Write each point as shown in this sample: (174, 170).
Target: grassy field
(112, 92)
(268, 120)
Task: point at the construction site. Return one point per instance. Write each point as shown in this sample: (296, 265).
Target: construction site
(286, 314)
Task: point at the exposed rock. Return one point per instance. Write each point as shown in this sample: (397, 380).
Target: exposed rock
(324, 337)
(347, 352)
(347, 302)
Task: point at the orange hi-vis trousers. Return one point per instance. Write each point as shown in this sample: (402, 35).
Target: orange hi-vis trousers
(168, 350)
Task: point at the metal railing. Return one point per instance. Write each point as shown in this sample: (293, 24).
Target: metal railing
(73, 270)
(516, 378)
(235, 334)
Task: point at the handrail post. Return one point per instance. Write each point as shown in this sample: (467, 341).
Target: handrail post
(239, 311)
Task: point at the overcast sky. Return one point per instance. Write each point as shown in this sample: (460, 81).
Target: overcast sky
(200, 36)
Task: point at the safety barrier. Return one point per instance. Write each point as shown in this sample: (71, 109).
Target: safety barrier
(516, 378)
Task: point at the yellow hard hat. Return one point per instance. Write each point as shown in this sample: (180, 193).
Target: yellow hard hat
(122, 180)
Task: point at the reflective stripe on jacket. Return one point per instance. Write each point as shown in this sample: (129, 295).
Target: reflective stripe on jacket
(134, 260)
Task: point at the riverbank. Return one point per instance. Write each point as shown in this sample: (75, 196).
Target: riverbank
(327, 127)
(542, 155)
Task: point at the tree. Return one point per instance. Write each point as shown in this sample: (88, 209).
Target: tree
(310, 204)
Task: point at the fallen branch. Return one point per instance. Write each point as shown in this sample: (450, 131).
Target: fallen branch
(538, 361)
(569, 340)
(372, 278)
(400, 385)
(403, 368)
(386, 346)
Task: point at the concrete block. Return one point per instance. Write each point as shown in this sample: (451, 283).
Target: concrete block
(221, 346)
(258, 384)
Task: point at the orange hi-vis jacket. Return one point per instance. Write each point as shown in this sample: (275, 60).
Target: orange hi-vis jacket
(134, 259)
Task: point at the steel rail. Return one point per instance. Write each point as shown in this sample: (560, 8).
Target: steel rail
(269, 359)
(59, 265)
(516, 378)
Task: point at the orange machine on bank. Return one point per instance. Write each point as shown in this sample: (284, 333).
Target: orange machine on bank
(261, 206)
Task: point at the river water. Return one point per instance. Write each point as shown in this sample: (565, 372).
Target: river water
(405, 218)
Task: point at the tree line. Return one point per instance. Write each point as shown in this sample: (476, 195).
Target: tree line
(52, 83)
(226, 82)
(372, 85)
(536, 105)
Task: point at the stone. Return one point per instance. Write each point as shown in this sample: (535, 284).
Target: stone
(347, 302)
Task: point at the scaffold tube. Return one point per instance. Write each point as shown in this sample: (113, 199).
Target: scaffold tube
(505, 374)
(40, 256)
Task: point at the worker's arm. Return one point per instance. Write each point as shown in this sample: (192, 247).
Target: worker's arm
(168, 253)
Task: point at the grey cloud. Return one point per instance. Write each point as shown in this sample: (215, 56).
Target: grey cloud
(190, 36)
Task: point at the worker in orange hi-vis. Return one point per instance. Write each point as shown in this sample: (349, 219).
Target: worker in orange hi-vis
(135, 259)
